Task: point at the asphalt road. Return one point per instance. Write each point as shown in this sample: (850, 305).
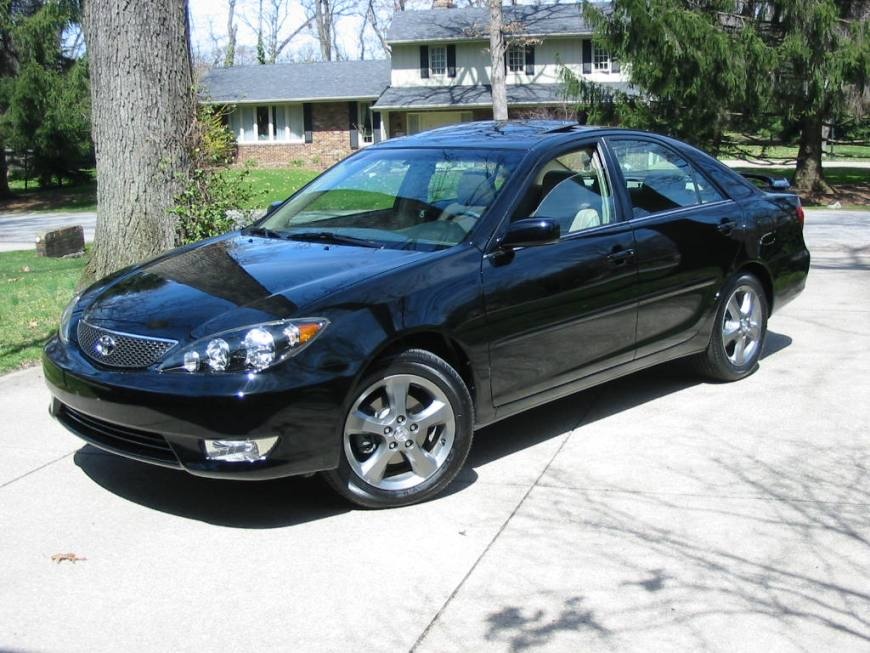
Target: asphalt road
(653, 513)
(19, 230)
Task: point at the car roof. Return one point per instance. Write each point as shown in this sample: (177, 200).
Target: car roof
(511, 134)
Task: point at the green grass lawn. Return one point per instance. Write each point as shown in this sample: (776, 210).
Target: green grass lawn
(841, 152)
(78, 197)
(834, 176)
(35, 290)
(273, 184)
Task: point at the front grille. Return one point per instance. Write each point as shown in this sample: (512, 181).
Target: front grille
(117, 349)
(141, 445)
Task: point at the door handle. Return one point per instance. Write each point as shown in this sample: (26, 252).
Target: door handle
(621, 257)
(727, 226)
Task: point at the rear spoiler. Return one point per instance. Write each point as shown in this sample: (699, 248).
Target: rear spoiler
(767, 182)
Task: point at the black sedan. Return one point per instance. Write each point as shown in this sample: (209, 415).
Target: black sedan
(420, 289)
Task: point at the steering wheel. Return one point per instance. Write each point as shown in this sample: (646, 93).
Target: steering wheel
(463, 213)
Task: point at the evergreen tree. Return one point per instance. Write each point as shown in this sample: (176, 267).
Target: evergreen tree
(45, 97)
(793, 63)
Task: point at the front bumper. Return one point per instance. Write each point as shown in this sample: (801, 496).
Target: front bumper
(162, 418)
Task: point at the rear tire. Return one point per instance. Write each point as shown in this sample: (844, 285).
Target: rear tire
(406, 433)
(738, 332)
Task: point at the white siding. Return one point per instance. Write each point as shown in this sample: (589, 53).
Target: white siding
(473, 65)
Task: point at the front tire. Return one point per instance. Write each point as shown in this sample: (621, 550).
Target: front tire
(406, 434)
(739, 331)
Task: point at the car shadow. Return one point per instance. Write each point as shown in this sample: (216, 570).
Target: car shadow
(555, 418)
(296, 500)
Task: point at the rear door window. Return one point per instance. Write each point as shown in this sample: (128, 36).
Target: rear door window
(658, 179)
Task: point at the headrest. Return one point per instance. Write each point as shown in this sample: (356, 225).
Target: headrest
(553, 178)
(474, 189)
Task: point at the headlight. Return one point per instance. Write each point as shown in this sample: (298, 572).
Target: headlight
(247, 349)
(66, 319)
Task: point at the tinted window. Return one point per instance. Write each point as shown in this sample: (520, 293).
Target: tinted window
(658, 179)
(571, 189)
(410, 198)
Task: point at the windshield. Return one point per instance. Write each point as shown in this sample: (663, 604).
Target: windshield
(410, 199)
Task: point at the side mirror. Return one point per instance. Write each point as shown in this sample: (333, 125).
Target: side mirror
(274, 205)
(530, 232)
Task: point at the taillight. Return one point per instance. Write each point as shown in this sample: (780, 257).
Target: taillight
(799, 212)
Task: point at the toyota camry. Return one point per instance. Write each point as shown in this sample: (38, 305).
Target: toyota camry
(418, 290)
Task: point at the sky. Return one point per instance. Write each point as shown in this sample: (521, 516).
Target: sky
(209, 17)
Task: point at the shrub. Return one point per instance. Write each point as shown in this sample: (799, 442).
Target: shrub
(213, 193)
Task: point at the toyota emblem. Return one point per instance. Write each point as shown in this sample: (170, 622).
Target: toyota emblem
(105, 345)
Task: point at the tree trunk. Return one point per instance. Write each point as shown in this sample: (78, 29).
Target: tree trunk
(496, 51)
(142, 112)
(808, 176)
(4, 172)
(324, 19)
(230, 53)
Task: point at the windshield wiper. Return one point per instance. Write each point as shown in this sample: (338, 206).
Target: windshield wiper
(337, 239)
(263, 231)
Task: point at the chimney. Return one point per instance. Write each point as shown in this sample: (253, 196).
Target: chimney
(442, 4)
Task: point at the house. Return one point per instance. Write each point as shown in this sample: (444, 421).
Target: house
(441, 66)
(311, 114)
(438, 74)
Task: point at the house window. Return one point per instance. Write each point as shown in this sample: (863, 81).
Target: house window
(364, 123)
(516, 58)
(264, 124)
(268, 123)
(438, 59)
(601, 60)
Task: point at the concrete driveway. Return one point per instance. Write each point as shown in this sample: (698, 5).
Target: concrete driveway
(19, 230)
(654, 513)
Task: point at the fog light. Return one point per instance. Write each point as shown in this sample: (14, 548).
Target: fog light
(239, 451)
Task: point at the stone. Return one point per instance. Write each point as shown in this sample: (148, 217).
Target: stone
(69, 241)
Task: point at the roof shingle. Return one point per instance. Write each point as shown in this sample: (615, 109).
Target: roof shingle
(333, 80)
(435, 97)
(472, 23)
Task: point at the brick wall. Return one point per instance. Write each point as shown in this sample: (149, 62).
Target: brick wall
(330, 142)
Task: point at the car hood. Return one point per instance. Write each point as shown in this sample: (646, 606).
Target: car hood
(231, 282)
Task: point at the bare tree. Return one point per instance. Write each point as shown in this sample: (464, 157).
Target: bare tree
(230, 54)
(323, 16)
(497, 52)
(271, 27)
(377, 15)
(142, 111)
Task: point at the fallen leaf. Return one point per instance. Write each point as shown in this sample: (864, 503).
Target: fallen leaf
(33, 324)
(60, 557)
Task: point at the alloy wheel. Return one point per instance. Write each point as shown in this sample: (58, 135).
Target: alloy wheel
(742, 325)
(399, 432)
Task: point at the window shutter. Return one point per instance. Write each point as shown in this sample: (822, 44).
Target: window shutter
(530, 60)
(376, 126)
(587, 56)
(424, 62)
(614, 65)
(352, 113)
(306, 122)
(451, 60)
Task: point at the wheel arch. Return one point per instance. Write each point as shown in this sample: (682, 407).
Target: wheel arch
(760, 272)
(436, 342)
